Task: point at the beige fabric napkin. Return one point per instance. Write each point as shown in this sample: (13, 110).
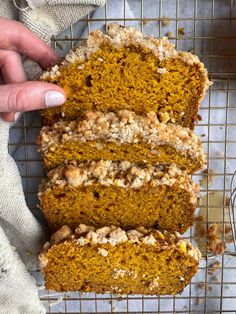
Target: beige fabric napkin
(46, 18)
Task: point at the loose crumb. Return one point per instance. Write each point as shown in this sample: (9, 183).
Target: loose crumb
(214, 244)
(208, 178)
(227, 200)
(228, 233)
(199, 117)
(199, 301)
(204, 286)
(145, 22)
(191, 50)
(170, 35)
(165, 21)
(214, 279)
(228, 229)
(60, 45)
(198, 218)
(181, 31)
(214, 267)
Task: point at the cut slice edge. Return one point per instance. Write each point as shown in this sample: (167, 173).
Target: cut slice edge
(160, 262)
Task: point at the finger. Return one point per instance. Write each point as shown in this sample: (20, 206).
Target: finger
(1, 79)
(11, 67)
(15, 36)
(29, 96)
(12, 72)
(11, 116)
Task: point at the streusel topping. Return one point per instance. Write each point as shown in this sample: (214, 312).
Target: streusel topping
(122, 174)
(122, 37)
(117, 37)
(116, 236)
(124, 127)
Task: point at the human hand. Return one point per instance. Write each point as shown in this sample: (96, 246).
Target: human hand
(17, 95)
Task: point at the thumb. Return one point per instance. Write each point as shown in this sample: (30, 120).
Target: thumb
(29, 96)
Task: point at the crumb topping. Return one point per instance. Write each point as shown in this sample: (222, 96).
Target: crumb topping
(124, 127)
(122, 174)
(102, 252)
(43, 260)
(215, 244)
(149, 240)
(61, 234)
(214, 267)
(154, 283)
(85, 235)
(118, 272)
(117, 37)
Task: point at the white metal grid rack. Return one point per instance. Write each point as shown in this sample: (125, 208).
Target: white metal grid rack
(209, 30)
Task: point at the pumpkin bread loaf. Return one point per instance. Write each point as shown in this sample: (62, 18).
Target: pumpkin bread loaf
(101, 193)
(124, 70)
(121, 136)
(111, 260)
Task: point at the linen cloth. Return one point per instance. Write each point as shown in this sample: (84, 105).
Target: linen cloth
(47, 18)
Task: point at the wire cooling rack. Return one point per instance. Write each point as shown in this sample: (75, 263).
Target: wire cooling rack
(207, 28)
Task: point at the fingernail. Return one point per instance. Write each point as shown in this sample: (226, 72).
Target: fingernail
(17, 116)
(53, 98)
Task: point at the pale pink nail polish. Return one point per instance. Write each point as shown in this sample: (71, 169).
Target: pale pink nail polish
(53, 98)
